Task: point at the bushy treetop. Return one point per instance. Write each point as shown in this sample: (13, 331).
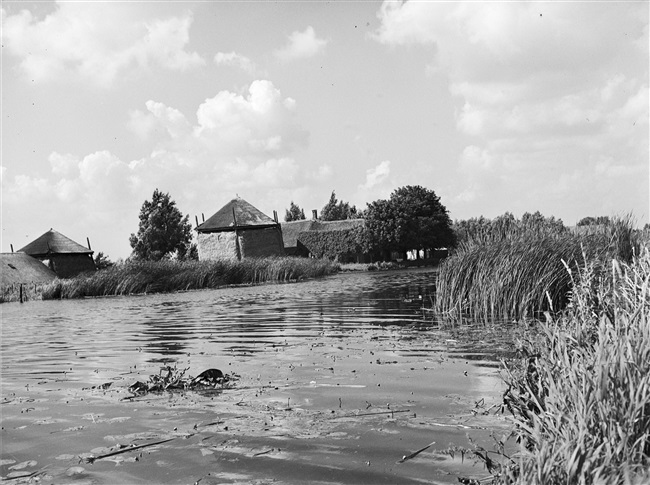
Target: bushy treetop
(162, 230)
(412, 218)
(336, 210)
(294, 213)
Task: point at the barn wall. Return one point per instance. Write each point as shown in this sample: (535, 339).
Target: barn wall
(259, 243)
(217, 245)
(69, 265)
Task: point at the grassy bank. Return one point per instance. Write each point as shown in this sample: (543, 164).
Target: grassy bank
(518, 274)
(168, 276)
(580, 398)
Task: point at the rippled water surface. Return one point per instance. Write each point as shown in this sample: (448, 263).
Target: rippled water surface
(311, 356)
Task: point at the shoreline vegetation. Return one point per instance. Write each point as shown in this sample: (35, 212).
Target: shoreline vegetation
(145, 277)
(517, 272)
(578, 394)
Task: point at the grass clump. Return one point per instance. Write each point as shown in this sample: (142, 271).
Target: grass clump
(521, 272)
(580, 398)
(136, 277)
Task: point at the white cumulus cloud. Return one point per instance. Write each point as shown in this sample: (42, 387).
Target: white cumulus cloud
(96, 42)
(543, 92)
(236, 60)
(242, 143)
(301, 45)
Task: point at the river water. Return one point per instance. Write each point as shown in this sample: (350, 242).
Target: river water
(338, 379)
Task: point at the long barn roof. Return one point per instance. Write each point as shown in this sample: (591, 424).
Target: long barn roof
(291, 230)
(245, 215)
(53, 242)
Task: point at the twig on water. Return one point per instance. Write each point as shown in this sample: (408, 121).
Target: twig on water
(371, 414)
(29, 475)
(416, 453)
(92, 459)
(264, 452)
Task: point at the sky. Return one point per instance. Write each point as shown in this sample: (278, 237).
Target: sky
(495, 106)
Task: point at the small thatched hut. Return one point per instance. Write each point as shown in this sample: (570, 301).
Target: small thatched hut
(238, 230)
(20, 268)
(61, 254)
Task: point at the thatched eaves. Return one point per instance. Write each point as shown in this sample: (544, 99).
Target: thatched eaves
(53, 242)
(236, 214)
(22, 268)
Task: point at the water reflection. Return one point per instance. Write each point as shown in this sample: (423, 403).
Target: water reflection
(239, 321)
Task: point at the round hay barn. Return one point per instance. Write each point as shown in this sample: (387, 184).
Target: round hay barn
(237, 231)
(61, 254)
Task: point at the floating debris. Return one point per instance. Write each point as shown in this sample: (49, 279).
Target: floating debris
(170, 379)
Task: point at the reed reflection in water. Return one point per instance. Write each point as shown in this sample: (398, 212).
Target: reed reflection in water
(78, 337)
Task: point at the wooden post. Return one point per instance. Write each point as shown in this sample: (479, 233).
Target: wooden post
(22, 296)
(237, 247)
(197, 220)
(88, 241)
(203, 216)
(12, 247)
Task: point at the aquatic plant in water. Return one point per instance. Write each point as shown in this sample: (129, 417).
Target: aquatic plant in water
(524, 274)
(171, 378)
(580, 396)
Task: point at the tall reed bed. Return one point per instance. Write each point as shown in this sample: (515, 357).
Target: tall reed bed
(167, 276)
(522, 273)
(581, 399)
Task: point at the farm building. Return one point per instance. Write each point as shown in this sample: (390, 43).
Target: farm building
(238, 230)
(331, 239)
(20, 268)
(61, 254)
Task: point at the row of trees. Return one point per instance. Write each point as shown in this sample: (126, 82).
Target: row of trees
(334, 210)
(412, 218)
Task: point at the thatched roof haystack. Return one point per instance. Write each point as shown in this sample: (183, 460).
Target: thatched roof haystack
(245, 215)
(22, 268)
(53, 242)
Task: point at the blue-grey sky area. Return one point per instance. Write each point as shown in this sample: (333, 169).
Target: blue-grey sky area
(496, 106)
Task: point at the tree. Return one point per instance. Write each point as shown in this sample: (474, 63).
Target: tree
(162, 230)
(413, 218)
(294, 213)
(102, 261)
(336, 210)
(593, 221)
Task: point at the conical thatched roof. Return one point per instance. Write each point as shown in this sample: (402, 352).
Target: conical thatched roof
(245, 215)
(53, 242)
(22, 268)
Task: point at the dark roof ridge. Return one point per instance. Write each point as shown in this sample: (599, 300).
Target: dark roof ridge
(53, 242)
(237, 213)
